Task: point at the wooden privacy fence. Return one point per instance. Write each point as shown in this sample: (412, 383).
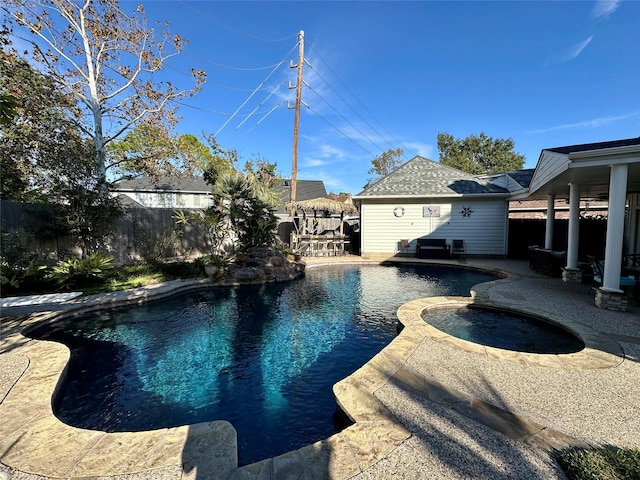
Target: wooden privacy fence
(142, 232)
(526, 232)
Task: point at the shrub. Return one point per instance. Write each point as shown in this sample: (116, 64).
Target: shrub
(601, 464)
(22, 270)
(178, 269)
(75, 272)
(156, 250)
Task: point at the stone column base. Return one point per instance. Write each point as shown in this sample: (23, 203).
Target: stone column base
(571, 275)
(611, 300)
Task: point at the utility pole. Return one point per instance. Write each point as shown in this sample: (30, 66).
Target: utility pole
(296, 117)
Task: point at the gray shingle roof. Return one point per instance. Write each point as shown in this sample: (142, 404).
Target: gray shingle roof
(305, 190)
(421, 177)
(167, 184)
(596, 146)
(523, 177)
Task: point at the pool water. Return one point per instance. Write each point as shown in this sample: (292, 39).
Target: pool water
(264, 358)
(506, 330)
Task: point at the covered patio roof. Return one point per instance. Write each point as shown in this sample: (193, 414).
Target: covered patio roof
(587, 165)
(605, 170)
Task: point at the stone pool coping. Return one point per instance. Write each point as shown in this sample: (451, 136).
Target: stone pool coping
(33, 440)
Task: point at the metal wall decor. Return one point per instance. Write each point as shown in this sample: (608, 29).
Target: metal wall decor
(466, 211)
(431, 211)
(398, 211)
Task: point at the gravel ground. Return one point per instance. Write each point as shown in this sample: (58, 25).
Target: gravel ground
(12, 366)
(448, 445)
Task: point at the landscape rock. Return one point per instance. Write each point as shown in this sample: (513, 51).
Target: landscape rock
(262, 266)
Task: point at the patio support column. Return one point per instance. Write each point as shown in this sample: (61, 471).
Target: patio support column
(615, 228)
(574, 223)
(551, 214)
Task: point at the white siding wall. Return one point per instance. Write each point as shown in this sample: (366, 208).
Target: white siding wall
(170, 200)
(484, 231)
(550, 165)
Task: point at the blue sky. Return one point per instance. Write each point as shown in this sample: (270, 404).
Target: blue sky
(393, 74)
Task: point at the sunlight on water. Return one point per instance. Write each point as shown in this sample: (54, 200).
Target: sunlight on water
(264, 358)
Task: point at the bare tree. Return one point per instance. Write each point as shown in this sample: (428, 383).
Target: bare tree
(384, 164)
(109, 61)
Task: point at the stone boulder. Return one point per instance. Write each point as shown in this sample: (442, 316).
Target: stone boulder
(262, 266)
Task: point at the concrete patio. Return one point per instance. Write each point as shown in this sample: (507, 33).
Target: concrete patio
(428, 406)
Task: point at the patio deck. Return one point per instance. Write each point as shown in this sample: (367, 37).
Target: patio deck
(424, 408)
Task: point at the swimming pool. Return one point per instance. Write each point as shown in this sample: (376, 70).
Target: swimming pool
(264, 358)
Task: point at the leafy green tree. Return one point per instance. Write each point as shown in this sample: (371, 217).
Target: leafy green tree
(385, 163)
(41, 149)
(141, 147)
(265, 176)
(479, 154)
(181, 155)
(8, 106)
(218, 162)
(109, 61)
(46, 159)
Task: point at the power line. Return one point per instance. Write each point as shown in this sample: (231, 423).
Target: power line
(345, 119)
(265, 116)
(253, 93)
(356, 98)
(243, 69)
(234, 30)
(259, 105)
(352, 109)
(342, 133)
(217, 85)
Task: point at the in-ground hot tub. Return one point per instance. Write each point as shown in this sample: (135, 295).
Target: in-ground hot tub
(505, 329)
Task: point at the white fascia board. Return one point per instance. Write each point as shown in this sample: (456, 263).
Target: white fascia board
(603, 162)
(627, 150)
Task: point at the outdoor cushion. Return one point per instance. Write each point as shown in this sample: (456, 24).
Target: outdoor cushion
(627, 282)
(624, 281)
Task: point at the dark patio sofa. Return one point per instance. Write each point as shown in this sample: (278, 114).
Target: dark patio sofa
(432, 248)
(548, 262)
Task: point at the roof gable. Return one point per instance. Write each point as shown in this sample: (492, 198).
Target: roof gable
(421, 177)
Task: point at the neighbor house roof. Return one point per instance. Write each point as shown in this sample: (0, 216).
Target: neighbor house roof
(165, 184)
(421, 177)
(305, 190)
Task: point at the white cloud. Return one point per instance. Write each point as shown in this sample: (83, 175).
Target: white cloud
(604, 8)
(329, 151)
(586, 124)
(569, 53)
(313, 162)
(412, 149)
